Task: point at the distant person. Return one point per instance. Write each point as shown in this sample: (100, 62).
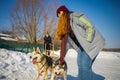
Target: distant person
(77, 30)
(47, 43)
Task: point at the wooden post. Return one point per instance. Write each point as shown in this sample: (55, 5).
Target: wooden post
(45, 50)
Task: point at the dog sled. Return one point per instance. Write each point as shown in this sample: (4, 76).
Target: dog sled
(51, 52)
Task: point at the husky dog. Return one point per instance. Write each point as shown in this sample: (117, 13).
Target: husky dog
(59, 70)
(43, 63)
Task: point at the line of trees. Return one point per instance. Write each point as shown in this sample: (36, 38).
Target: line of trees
(31, 19)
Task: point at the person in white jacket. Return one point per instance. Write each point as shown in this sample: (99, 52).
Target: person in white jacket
(75, 28)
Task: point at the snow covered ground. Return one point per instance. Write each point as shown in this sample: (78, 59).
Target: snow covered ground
(105, 67)
(16, 66)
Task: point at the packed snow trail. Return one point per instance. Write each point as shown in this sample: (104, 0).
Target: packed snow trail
(17, 66)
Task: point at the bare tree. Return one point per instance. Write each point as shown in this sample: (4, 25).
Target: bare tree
(32, 18)
(50, 20)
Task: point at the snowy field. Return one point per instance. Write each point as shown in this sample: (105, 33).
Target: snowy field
(17, 66)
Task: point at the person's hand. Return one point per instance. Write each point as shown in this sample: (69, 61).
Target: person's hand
(60, 62)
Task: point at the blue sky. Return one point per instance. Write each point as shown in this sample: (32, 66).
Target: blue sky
(5, 9)
(104, 14)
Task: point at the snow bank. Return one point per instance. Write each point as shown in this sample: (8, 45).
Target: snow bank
(70, 53)
(5, 35)
(107, 65)
(15, 66)
(107, 55)
(8, 38)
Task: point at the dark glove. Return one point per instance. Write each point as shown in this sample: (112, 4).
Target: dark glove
(61, 61)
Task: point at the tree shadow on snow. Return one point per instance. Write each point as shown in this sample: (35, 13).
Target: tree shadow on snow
(95, 77)
(69, 77)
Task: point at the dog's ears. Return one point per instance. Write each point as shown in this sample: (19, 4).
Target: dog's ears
(36, 49)
(53, 65)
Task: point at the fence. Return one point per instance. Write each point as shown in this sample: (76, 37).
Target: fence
(19, 46)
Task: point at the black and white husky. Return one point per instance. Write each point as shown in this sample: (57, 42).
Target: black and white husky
(59, 70)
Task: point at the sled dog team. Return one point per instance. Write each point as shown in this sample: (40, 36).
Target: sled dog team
(45, 64)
